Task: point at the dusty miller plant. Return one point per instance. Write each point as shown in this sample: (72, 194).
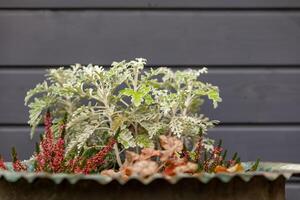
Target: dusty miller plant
(139, 104)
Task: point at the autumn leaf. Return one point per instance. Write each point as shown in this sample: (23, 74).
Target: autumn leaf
(131, 157)
(144, 168)
(148, 153)
(110, 173)
(220, 169)
(236, 168)
(189, 167)
(171, 143)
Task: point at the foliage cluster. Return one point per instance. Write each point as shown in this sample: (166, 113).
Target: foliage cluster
(143, 104)
(122, 118)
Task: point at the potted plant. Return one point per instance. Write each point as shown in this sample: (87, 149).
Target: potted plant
(129, 133)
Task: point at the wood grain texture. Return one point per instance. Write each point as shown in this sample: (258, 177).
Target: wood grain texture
(150, 4)
(249, 95)
(169, 38)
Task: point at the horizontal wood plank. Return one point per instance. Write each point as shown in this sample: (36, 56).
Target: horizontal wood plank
(280, 144)
(18, 137)
(292, 190)
(269, 143)
(249, 95)
(150, 4)
(170, 38)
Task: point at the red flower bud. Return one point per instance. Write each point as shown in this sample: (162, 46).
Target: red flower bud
(98, 159)
(2, 165)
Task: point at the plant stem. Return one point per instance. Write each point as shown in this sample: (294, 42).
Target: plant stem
(188, 101)
(135, 135)
(126, 104)
(116, 149)
(136, 78)
(117, 153)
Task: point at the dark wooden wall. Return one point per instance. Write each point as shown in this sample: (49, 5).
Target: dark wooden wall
(251, 47)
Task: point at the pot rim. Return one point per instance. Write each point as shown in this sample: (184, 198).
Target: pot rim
(268, 170)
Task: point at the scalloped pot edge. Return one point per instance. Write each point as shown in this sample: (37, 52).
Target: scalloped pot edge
(270, 171)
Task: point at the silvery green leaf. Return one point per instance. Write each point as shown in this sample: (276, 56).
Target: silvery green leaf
(126, 138)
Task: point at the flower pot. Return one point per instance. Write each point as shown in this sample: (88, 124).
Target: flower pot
(244, 186)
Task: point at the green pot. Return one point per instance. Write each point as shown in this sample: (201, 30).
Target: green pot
(243, 186)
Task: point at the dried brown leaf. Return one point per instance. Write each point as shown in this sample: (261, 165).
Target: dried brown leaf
(236, 168)
(131, 157)
(171, 143)
(144, 168)
(148, 153)
(110, 173)
(189, 167)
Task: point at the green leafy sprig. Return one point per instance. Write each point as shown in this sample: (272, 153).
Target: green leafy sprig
(142, 104)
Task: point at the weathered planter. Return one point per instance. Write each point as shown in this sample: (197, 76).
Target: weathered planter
(245, 186)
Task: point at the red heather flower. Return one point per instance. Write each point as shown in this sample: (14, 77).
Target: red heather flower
(98, 159)
(78, 170)
(217, 151)
(17, 164)
(199, 149)
(44, 156)
(59, 151)
(51, 155)
(40, 162)
(47, 142)
(215, 158)
(72, 165)
(2, 165)
(206, 166)
(231, 163)
(58, 158)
